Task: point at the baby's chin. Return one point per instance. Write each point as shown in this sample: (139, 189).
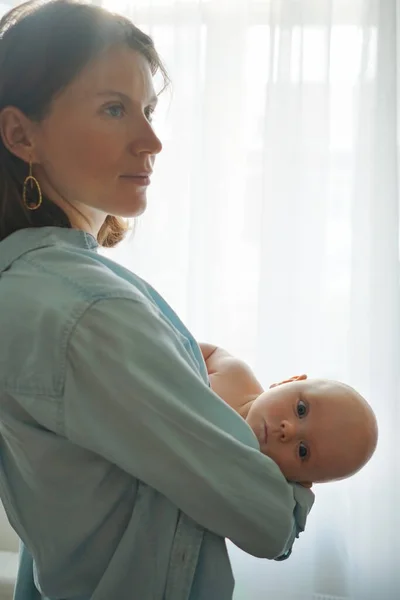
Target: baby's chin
(300, 481)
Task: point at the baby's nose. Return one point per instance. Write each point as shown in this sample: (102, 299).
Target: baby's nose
(287, 431)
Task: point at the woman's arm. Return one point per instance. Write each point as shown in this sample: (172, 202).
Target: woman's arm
(132, 396)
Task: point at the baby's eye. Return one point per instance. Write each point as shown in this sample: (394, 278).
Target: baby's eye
(301, 409)
(116, 111)
(303, 451)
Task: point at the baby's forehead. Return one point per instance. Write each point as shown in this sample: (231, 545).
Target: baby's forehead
(324, 388)
(341, 428)
(331, 399)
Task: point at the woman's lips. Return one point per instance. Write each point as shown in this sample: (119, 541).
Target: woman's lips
(142, 180)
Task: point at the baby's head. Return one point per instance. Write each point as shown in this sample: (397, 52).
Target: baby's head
(315, 430)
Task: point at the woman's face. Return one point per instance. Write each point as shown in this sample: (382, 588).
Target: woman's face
(94, 151)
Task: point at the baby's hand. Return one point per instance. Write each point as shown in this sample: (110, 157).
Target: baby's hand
(294, 378)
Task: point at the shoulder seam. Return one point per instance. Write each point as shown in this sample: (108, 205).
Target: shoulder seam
(67, 280)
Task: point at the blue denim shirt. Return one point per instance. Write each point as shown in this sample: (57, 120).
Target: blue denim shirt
(121, 471)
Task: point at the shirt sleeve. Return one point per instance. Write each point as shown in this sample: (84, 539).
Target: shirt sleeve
(133, 396)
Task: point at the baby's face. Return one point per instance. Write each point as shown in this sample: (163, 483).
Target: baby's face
(315, 430)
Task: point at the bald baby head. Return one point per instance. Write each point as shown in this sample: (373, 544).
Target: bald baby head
(316, 430)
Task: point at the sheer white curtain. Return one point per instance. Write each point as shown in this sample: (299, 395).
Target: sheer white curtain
(272, 228)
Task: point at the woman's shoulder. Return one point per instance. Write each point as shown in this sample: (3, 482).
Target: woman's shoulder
(59, 262)
(83, 274)
(61, 278)
(44, 291)
(47, 284)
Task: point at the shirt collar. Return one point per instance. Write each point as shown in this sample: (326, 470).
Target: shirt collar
(25, 240)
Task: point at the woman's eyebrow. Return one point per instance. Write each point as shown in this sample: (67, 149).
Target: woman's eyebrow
(125, 97)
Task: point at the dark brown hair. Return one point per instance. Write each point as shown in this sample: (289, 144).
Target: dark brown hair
(43, 47)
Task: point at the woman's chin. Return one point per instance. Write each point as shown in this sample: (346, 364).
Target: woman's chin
(131, 209)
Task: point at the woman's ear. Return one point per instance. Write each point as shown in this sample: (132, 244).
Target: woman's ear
(294, 378)
(16, 133)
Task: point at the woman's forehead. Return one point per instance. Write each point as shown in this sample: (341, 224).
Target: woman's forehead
(118, 69)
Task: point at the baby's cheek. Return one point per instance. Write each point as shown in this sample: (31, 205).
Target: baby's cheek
(277, 457)
(284, 459)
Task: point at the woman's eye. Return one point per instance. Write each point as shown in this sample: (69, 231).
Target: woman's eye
(301, 409)
(116, 111)
(149, 113)
(303, 451)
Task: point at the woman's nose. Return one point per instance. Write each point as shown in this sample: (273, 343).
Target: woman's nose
(146, 141)
(287, 431)
(154, 144)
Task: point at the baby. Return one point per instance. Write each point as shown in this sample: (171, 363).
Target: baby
(314, 429)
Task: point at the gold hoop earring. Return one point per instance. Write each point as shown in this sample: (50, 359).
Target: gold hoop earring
(28, 203)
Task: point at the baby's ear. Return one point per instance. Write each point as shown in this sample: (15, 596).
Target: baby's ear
(294, 378)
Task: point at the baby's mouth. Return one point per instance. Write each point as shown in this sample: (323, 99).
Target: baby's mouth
(263, 434)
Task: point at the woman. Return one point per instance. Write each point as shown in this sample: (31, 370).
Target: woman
(122, 472)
